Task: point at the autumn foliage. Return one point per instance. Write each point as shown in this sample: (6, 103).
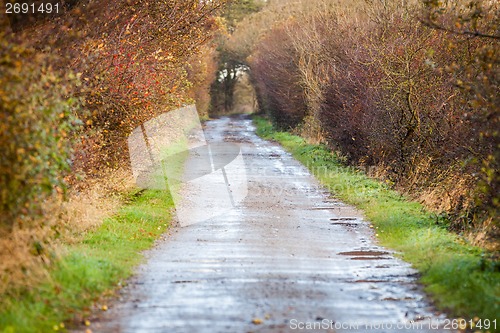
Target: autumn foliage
(35, 122)
(410, 89)
(73, 86)
(135, 66)
(129, 61)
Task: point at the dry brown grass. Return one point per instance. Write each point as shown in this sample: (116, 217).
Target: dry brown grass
(453, 193)
(86, 208)
(24, 256)
(450, 192)
(488, 237)
(26, 252)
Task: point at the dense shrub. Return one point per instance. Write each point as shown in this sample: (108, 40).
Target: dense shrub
(126, 62)
(36, 124)
(411, 92)
(135, 60)
(283, 96)
(72, 87)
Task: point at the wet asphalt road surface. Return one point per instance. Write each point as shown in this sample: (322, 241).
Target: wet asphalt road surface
(288, 258)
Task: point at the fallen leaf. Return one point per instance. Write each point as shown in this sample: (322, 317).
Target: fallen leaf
(257, 321)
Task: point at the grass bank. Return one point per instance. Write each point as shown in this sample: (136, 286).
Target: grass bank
(460, 278)
(91, 268)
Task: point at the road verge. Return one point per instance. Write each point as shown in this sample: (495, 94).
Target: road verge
(460, 278)
(91, 269)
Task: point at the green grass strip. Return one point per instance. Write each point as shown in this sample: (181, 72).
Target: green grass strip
(90, 268)
(458, 276)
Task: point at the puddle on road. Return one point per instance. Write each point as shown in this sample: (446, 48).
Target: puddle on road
(324, 208)
(368, 258)
(346, 221)
(407, 298)
(366, 255)
(369, 281)
(346, 224)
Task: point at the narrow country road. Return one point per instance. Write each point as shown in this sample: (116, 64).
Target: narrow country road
(287, 257)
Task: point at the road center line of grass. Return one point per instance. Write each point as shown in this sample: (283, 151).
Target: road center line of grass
(459, 277)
